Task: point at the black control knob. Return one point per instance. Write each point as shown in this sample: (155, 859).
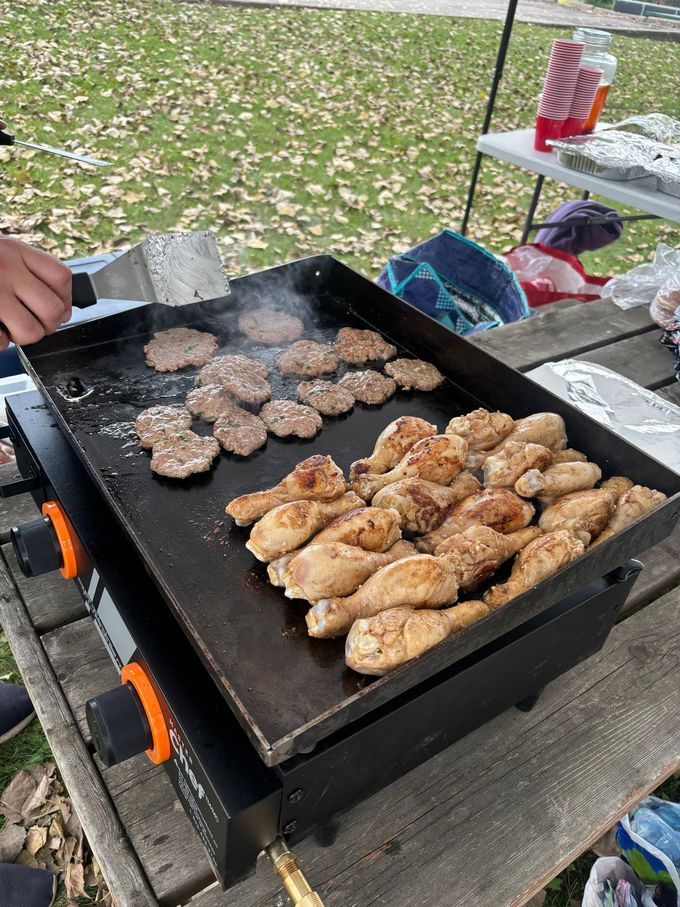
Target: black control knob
(36, 547)
(118, 724)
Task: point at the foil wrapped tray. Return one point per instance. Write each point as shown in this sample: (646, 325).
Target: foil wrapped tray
(610, 155)
(667, 172)
(656, 126)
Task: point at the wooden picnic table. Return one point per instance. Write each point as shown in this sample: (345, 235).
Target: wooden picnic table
(488, 821)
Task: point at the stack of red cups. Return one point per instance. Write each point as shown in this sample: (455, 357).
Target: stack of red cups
(589, 78)
(558, 91)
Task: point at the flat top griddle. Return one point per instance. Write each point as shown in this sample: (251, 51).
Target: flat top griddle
(288, 690)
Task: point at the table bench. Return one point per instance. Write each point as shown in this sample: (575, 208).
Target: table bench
(490, 820)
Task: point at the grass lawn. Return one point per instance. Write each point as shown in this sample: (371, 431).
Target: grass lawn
(286, 133)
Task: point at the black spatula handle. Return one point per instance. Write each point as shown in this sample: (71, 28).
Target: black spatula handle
(82, 291)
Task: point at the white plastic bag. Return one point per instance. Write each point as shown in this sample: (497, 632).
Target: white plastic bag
(612, 869)
(666, 301)
(640, 285)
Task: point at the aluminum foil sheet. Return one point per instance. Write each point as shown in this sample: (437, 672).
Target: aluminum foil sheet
(656, 126)
(640, 416)
(667, 172)
(610, 155)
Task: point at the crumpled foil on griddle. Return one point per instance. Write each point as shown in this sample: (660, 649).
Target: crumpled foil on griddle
(633, 412)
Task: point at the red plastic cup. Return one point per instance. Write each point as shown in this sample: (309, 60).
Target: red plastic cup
(574, 126)
(547, 128)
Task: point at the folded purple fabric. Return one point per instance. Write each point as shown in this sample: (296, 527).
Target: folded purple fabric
(575, 238)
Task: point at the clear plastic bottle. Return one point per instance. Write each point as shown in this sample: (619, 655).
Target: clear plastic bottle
(596, 53)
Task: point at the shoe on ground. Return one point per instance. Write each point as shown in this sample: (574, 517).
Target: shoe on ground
(16, 711)
(23, 886)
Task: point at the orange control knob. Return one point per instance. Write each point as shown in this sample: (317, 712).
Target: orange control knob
(135, 674)
(65, 536)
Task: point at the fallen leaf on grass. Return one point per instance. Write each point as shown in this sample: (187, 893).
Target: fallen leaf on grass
(74, 881)
(12, 839)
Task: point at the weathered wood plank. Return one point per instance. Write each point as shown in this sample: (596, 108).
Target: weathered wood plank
(492, 819)
(641, 358)
(163, 837)
(660, 574)
(557, 333)
(105, 833)
(51, 601)
(671, 392)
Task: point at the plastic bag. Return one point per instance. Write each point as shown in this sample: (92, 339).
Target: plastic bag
(667, 301)
(457, 282)
(643, 837)
(612, 883)
(547, 274)
(640, 285)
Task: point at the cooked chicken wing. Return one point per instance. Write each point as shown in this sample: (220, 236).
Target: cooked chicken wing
(288, 526)
(421, 581)
(435, 459)
(479, 551)
(481, 429)
(558, 480)
(546, 429)
(499, 508)
(378, 644)
(541, 558)
(333, 569)
(504, 468)
(585, 513)
(633, 504)
(317, 478)
(370, 528)
(423, 505)
(393, 443)
(569, 455)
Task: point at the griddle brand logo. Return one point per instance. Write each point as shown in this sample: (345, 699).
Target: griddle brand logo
(180, 751)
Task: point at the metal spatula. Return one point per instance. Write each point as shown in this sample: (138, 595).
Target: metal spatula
(173, 269)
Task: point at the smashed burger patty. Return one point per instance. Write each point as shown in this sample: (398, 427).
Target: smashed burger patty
(241, 377)
(270, 325)
(307, 357)
(209, 402)
(327, 398)
(177, 348)
(368, 386)
(183, 455)
(159, 422)
(415, 374)
(357, 346)
(284, 418)
(240, 432)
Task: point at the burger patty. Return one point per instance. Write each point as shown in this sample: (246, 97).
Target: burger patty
(270, 325)
(159, 422)
(327, 398)
(284, 418)
(183, 455)
(209, 402)
(359, 346)
(241, 378)
(414, 373)
(307, 357)
(240, 432)
(369, 386)
(179, 347)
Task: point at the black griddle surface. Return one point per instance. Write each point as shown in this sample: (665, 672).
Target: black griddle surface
(288, 690)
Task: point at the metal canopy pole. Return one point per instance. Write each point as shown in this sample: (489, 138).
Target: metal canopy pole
(495, 82)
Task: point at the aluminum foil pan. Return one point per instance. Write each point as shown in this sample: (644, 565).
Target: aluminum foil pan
(610, 155)
(667, 172)
(656, 126)
(637, 414)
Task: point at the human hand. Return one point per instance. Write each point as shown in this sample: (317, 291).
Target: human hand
(35, 293)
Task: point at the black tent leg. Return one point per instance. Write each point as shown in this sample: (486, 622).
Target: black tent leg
(532, 209)
(495, 82)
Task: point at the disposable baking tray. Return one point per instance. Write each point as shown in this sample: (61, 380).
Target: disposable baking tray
(612, 155)
(667, 172)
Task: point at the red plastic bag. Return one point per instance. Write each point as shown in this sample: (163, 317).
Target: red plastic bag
(546, 275)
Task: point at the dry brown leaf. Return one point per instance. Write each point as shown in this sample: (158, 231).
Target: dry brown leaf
(74, 880)
(35, 839)
(18, 791)
(27, 859)
(12, 839)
